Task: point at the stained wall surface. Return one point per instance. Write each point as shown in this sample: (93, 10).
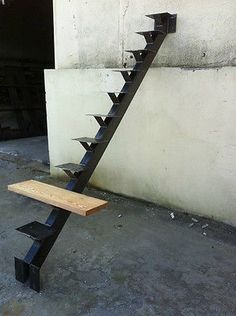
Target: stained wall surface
(90, 33)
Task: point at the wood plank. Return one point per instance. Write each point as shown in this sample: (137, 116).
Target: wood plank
(74, 202)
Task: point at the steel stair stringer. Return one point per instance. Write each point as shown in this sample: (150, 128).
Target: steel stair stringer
(29, 267)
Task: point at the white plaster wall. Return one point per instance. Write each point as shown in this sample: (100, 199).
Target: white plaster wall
(176, 146)
(95, 33)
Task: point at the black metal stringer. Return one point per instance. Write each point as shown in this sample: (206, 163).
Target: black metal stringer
(45, 235)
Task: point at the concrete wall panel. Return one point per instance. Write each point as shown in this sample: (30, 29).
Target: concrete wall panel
(176, 145)
(92, 33)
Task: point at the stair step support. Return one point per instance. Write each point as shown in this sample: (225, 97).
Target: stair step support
(36, 231)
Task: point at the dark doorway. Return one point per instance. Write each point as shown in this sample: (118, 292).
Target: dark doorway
(26, 49)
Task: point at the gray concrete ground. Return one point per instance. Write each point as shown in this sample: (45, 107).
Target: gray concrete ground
(34, 148)
(140, 263)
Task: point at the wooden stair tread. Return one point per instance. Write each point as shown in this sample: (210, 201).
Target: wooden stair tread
(71, 201)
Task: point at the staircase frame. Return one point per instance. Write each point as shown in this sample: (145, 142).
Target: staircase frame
(29, 267)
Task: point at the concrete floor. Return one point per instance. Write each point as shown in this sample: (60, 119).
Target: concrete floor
(140, 263)
(34, 148)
